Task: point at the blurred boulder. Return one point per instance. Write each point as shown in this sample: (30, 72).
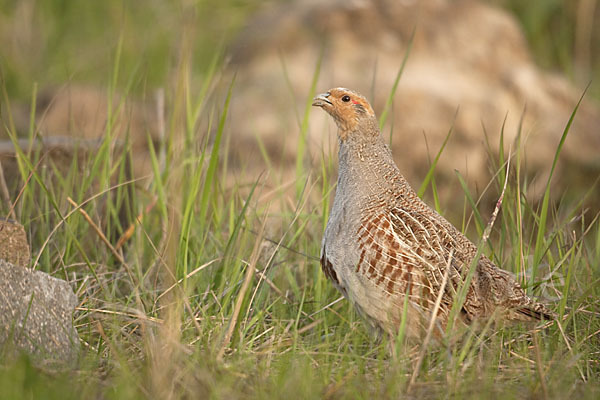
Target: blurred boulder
(80, 114)
(71, 123)
(73, 119)
(82, 111)
(468, 59)
(36, 315)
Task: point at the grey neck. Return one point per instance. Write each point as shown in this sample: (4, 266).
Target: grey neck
(366, 170)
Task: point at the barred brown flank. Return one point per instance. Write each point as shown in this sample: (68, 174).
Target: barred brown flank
(383, 243)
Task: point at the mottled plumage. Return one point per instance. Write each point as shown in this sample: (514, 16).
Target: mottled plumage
(383, 243)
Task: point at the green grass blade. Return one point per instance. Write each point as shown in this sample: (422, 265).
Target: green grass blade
(478, 219)
(431, 170)
(390, 99)
(209, 179)
(301, 148)
(540, 243)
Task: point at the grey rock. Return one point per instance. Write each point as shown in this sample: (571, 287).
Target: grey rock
(36, 312)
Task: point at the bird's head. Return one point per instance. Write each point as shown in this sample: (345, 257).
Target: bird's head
(351, 111)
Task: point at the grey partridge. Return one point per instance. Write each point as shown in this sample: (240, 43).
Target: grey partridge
(383, 244)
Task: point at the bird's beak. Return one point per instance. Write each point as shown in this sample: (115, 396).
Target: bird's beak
(321, 100)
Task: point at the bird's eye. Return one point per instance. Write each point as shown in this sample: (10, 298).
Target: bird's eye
(346, 98)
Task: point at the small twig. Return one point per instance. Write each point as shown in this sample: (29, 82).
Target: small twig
(64, 219)
(538, 364)
(299, 208)
(31, 173)
(520, 357)
(328, 306)
(334, 387)
(309, 326)
(66, 142)
(5, 194)
(108, 342)
(240, 298)
(135, 314)
(436, 307)
(138, 220)
(160, 117)
(200, 268)
(488, 228)
(484, 238)
(589, 336)
(279, 244)
(102, 237)
(263, 277)
(562, 332)
(188, 306)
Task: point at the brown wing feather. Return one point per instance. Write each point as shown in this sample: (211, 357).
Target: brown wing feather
(405, 250)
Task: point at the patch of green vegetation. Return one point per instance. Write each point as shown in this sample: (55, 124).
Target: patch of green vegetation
(564, 35)
(54, 42)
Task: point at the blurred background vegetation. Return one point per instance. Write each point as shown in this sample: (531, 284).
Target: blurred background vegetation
(564, 35)
(58, 41)
(55, 42)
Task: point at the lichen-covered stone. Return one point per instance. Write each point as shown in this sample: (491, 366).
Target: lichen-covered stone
(36, 312)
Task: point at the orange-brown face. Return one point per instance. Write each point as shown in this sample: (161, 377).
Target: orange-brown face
(346, 107)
